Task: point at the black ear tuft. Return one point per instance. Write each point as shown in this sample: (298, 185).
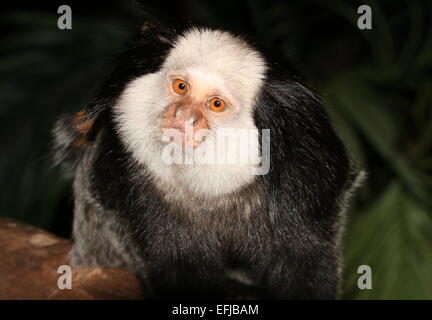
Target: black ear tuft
(156, 32)
(155, 27)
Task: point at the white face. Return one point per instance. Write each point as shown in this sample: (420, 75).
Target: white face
(209, 81)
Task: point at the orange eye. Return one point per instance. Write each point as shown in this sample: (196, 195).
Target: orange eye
(217, 104)
(180, 86)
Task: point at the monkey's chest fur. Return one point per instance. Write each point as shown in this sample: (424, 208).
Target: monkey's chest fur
(178, 245)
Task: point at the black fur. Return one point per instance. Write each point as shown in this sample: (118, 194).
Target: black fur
(289, 244)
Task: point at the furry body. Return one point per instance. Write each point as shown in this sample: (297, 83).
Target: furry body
(272, 236)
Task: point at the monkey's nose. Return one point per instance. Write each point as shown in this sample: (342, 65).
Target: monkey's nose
(187, 120)
(193, 119)
(187, 116)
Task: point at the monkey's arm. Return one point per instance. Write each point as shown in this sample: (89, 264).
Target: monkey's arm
(307, 262)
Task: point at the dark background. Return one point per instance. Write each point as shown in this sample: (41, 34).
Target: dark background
(376, 85)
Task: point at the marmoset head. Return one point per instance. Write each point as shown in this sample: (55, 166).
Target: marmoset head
(210, 80)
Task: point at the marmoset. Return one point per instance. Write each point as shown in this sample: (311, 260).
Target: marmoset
(209, 222)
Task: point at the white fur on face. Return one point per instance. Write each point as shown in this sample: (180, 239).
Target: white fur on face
(214, 60)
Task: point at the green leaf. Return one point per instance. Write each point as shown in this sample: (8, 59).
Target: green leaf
(393, 237)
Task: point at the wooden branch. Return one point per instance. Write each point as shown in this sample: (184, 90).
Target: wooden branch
(29, 261)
